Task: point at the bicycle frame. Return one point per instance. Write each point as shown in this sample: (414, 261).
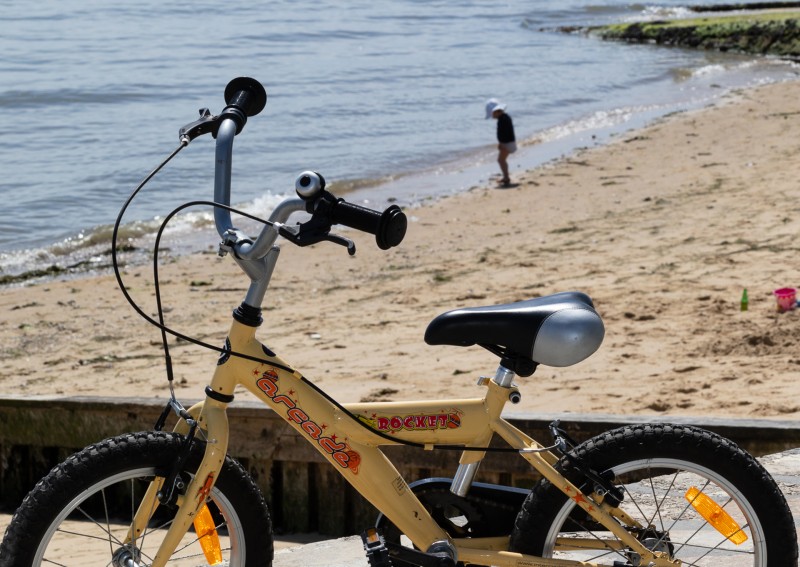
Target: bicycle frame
(350, 436)
(354, 450)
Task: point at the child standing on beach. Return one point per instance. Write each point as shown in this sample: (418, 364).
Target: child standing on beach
(506, 142)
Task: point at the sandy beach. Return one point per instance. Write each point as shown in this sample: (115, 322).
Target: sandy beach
(664, 228)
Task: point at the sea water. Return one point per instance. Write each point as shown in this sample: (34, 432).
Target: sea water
(384, 98)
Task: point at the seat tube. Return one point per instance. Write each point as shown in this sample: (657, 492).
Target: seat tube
(471, 461)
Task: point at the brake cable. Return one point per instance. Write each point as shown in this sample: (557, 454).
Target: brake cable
(174, 404)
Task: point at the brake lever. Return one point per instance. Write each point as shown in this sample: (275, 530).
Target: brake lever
(342, 241)
(313, 232)
(207, 123)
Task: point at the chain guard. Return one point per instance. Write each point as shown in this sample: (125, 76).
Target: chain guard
(488, 510)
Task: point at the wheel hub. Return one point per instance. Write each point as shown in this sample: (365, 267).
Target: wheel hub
(127, 556)
(657, 541)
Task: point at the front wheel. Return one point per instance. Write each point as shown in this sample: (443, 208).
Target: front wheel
(79, 514)
(695, 497)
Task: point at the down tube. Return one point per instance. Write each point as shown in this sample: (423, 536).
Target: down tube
(363, 465)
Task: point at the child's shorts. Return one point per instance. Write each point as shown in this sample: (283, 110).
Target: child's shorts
(510, 147)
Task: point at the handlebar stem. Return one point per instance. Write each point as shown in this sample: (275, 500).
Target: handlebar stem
(260, 273)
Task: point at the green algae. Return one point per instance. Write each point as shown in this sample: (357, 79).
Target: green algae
(764, 33)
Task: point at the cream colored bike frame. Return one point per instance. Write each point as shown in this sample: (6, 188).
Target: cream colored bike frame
(352, 448)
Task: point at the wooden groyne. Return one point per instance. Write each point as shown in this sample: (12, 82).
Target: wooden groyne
(305, 493)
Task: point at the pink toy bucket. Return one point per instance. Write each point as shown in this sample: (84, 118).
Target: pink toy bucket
(786, 298)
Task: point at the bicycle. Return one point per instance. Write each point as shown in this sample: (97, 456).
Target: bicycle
(646, 495)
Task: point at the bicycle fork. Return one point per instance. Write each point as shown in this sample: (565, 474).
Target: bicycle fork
(212, 417)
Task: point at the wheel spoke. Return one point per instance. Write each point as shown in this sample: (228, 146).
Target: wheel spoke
(632, 498)
(662, 539)
(111, 538)
(657, 504)
(133, 515)
(603, 541)
(146, 529)
(108, 524)
(686, 509)
(194, 541)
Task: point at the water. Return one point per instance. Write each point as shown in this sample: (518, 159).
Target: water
(383, 95)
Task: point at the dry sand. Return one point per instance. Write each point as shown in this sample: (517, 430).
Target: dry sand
(664, 228)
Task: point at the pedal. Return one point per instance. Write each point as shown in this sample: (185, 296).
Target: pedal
(375, 548)
(382, 554)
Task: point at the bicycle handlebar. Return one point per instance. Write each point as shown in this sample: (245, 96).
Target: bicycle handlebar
(389, 227)
(246, 97)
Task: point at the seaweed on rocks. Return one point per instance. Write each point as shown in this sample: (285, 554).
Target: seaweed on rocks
(754, 32)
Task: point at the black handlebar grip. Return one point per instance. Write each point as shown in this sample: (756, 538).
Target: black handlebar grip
(246, 94)
(245, 97)
(389, 227)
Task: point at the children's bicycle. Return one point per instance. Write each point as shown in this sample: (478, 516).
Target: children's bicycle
(646, 495)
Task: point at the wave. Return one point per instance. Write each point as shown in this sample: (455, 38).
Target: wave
(595, 121)
(21, 99)
(89, 251)
(651, 13)
(605, 13)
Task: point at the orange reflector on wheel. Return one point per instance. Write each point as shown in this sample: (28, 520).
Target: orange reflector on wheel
(207, 535)
(716, 516)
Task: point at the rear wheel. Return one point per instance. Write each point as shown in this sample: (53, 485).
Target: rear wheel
(696, 497)
(79, 514)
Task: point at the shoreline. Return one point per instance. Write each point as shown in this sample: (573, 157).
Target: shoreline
(86, 252)
(466, 171)
(663, 226)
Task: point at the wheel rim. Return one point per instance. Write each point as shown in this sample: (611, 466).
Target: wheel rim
(659, 499)
(94, 524)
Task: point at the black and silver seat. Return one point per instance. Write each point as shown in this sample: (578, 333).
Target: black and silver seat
(556, 330)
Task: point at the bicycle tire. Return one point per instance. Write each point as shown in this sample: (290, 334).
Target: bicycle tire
(656, 465)
(80, 512)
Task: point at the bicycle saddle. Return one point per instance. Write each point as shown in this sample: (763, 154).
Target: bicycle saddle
(555, 330)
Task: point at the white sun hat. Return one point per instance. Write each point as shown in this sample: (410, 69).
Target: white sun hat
(493, 104)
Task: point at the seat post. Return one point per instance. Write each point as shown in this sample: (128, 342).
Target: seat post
(504, 377)
(462, 480)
